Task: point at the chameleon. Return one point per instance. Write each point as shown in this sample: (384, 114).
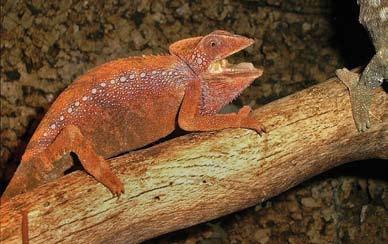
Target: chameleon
(131, 102)
(374, 17)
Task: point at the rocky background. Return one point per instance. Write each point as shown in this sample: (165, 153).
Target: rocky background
(45, 45)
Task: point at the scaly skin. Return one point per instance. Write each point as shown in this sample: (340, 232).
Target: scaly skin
(128, 103)
(374, 17)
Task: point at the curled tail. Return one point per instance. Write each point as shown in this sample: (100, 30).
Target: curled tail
(25, 237)
(31, 174)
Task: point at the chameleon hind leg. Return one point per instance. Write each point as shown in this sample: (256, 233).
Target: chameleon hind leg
(360, 97)
(71, 140)
(50, 164)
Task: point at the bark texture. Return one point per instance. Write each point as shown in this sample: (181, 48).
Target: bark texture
(199, 177)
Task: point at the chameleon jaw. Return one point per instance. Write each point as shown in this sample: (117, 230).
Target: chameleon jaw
(223, 67)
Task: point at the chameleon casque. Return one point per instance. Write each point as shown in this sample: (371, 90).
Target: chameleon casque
(128, 103)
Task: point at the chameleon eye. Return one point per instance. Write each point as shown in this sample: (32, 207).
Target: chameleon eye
(213, 43)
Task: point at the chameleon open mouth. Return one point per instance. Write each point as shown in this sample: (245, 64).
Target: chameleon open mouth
(224, 68)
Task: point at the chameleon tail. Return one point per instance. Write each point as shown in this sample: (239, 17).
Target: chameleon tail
(31, 174)
(25, 238)
(25, 178)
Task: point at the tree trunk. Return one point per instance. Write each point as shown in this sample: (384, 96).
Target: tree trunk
(202, 176)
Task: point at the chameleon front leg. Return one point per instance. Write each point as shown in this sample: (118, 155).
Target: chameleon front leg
(191, 119)
(360, 97)
(43, 167)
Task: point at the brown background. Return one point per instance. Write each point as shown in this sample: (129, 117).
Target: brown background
(45, 46)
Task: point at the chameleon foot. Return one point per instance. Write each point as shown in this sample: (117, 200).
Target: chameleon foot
(250, 122)
(108, 178)
(360, 98)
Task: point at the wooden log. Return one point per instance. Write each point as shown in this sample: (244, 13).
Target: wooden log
(202, 176)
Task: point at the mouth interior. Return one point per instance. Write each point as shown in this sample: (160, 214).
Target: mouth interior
(224, 67)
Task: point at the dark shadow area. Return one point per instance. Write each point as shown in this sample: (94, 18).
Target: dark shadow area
(76, 164)
(367, 169)
(385, 85)
(350, 37)
(176, 133)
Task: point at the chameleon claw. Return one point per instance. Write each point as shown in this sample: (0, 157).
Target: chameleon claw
(250, 122)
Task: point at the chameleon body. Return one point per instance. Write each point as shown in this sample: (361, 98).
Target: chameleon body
(129, 103)
(374, 17)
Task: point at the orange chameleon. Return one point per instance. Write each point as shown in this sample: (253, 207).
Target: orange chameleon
(128, 103)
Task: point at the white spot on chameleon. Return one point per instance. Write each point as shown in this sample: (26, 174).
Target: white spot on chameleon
(84, 98)
(69, 110)
(76, 103)
(122, 78)
(103, 84)
(142, 75)
(45, 134)
(199, 60)
(53, 126)
(384, 13)
(94, 91)
(62, 117)
(131, 76)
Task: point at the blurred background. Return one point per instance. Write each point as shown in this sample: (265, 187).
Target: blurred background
(45, 45)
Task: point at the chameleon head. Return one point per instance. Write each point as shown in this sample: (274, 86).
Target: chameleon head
(207, 53)
(206, 56)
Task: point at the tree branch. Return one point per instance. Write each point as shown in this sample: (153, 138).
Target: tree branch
(199, 177)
